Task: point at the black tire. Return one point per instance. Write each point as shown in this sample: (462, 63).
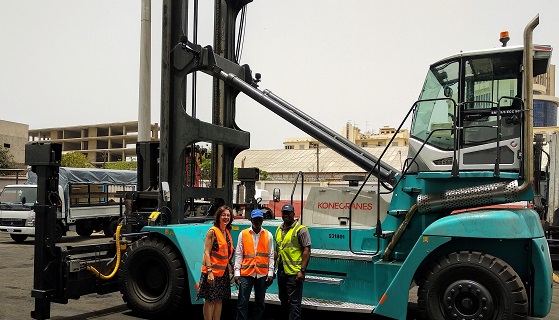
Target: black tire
(152, 277)
(58, 232)
(98, 225)
(471, 285)
(268, 214)
(19, 238)
(84, 228)
(110, 228)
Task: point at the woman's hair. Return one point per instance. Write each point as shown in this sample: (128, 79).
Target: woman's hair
(218, 214)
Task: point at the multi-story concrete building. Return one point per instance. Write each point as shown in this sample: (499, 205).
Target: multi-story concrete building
(370, 139)
(13, 137)
(101, 143)
(383, 138)
(354, 134)
(545, 102)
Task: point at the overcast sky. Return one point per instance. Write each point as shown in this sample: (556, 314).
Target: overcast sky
(68, 62)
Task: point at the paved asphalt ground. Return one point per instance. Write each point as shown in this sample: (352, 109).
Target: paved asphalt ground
(16, 282)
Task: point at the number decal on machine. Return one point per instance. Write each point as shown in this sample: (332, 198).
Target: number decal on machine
(336, 236)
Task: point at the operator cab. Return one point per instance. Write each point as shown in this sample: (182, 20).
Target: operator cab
(467, 101)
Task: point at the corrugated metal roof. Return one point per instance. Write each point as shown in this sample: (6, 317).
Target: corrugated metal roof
(283, 161)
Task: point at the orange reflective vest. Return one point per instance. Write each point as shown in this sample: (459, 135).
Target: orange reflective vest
(255, 262)
(220, 258)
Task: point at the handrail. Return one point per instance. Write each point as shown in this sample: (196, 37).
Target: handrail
(302, 175)
(378, 227)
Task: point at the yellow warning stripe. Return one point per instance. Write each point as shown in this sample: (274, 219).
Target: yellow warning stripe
(555, 278)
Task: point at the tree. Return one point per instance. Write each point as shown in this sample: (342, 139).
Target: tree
(122, 165)
(264, 175)
(207, 165)
(75, 160)
(6, 159)
(205, 168)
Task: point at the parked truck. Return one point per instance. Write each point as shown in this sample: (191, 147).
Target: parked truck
(87, 198)
(470, 149)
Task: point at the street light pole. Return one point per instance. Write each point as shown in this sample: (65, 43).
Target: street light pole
(317, 163)
(315, 145)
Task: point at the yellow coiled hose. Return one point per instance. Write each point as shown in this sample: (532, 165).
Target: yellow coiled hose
(117, 264)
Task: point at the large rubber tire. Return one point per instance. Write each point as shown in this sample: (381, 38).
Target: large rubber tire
(98, 224)
(58, 232)
(84, 228)
(19, 238)
(268, 214)
(471, 285)
(152, 277)
(110, 228)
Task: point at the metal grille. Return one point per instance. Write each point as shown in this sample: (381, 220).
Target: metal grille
(12, 222)
(471, 197)
(316, 304)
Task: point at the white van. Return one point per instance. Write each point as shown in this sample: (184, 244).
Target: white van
(87, 200)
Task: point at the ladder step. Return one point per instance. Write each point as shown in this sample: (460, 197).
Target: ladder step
(316, 304)
(325, 280)
(340, 254)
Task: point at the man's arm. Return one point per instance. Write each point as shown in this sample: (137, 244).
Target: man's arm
(305, 241)
(276, 252)
(238, 256)
(271, 255)
(306, 257)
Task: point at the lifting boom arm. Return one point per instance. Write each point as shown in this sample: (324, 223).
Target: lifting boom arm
(203, 59)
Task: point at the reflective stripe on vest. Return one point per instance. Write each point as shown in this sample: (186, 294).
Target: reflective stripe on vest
(219, 259)
(289, 249)
(255, 262)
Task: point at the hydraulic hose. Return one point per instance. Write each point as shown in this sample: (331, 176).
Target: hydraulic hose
(117, 264)
(399, 232)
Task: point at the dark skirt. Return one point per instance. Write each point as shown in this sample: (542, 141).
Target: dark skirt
(221, 289)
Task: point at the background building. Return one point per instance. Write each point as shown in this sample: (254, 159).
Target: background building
(101, 143)
(545, 102)
(13, 137)
(284, 165)
(354, 134)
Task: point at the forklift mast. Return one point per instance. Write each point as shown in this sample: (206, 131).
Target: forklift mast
(180, 130)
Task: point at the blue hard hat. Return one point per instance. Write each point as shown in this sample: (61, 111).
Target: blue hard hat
(287, 207)
(256, 213)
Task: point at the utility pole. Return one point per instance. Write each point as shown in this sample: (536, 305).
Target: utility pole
(316, 145)
(144, 108)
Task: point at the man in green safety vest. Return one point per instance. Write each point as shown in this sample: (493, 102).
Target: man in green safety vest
(293, 252)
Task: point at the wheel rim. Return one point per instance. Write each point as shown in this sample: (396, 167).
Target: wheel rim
(151, 279)
(467, 299)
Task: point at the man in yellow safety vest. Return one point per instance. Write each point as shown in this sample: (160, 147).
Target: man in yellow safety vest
(293, 252)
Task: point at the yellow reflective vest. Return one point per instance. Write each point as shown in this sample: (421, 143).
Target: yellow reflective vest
(290, 252)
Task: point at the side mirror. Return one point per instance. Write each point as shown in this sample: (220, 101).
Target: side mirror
(276, 195)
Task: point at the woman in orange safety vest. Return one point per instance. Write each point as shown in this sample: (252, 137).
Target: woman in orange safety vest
(215, 280)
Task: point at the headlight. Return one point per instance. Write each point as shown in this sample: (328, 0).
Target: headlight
(30, 222)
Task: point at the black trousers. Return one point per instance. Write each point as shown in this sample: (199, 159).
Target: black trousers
(290, 294)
